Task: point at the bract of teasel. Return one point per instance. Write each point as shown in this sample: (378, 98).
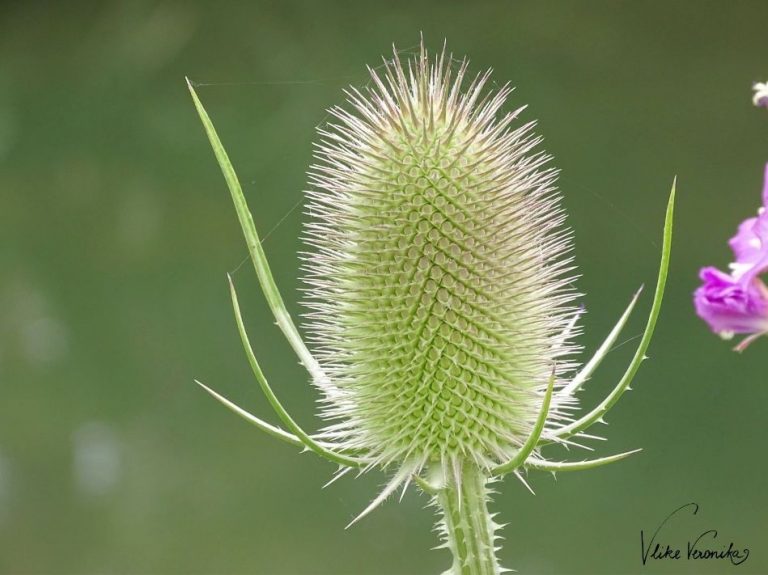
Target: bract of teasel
(441, 284)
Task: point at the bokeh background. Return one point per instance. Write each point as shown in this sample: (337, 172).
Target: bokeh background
(116, 232)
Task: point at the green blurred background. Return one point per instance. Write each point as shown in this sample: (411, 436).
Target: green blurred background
(116, 232)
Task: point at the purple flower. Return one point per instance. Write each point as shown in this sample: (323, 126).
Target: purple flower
(738, 302)
(750, 244)
(730, 307)
(760, 97)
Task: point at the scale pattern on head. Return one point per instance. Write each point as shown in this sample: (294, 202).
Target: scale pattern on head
(439, 276)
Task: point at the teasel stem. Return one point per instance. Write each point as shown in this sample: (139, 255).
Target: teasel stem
(467, 526)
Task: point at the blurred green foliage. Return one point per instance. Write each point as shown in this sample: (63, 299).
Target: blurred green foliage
(116, 232)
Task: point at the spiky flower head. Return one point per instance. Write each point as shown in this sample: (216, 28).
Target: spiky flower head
(440, 281)
(441, 296)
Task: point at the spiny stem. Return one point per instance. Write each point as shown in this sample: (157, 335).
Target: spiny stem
(467, 526)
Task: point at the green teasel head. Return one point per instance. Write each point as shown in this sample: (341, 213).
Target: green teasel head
(442, 311)
(441, 285)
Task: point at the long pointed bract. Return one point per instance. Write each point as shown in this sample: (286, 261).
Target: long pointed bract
(250, 418)
(259, 258)
(555, 466)
(584, 422)
(533, 439)
(275, 403)
(590, 367)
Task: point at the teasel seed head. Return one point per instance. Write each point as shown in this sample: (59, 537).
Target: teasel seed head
(440, 281)
(441, 298)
